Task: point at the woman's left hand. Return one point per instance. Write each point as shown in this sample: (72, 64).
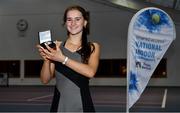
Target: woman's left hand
(54, 54)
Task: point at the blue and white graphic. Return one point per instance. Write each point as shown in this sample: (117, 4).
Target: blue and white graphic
(151, 31)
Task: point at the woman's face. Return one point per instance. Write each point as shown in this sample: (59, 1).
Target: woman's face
(75, 22)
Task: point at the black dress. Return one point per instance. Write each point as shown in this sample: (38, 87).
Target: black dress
(71, 93)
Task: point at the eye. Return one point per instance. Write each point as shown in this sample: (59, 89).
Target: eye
(68, 19)
(78, 18)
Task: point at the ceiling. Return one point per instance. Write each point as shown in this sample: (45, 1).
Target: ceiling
(170, 6)
(174, 4)
(136, 4)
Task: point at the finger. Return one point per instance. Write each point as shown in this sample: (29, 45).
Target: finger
(39, 46)
(57, 45)
(48, 56)
(41, 49)
(42, 54)
(45, 57)
(47, 52)
(48, 48)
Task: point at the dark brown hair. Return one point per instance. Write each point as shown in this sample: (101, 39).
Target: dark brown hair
(87, 47)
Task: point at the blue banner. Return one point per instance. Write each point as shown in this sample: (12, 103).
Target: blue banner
(150, 33)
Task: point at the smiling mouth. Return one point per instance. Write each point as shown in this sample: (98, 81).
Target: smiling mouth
(73, 28)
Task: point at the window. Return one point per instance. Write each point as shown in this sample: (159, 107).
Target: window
(32, 68)
(117, 68)
(107, 68)
(11, 67)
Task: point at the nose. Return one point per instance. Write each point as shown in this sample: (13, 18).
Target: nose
(73, 22)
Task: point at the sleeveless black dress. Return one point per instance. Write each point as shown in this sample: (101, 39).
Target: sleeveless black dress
(71, 93)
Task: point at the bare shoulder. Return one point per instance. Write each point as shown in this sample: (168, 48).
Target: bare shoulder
(96, 45)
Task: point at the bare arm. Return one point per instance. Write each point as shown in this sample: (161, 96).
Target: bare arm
(47, 70)
(87, 70)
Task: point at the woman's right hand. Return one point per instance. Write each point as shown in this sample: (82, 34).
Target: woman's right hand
(42, 53)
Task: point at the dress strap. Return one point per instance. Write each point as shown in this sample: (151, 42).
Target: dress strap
(63, 44)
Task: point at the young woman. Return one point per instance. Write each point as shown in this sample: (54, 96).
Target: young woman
(72, 63)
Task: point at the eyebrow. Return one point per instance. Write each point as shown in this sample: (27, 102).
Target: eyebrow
(75, 17)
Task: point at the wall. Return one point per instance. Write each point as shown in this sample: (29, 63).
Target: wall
(108, 27)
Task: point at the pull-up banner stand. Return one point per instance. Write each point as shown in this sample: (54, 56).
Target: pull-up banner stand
(150, 33)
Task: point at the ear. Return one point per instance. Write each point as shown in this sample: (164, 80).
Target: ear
(85, 23)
